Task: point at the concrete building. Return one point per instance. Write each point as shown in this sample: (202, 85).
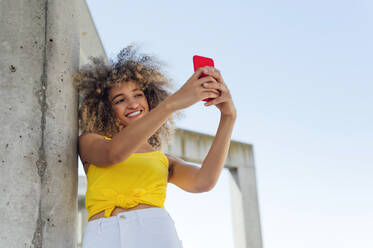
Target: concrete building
(193, 147)
(42, 203)
(39, 48)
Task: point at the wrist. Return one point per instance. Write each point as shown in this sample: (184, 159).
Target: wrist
(169, 104)
(231, 116)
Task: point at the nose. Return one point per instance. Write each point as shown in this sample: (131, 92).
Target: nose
(133, 104)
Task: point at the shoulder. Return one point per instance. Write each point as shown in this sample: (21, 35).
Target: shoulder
(87, 134)
(87, 139)
(172, 160)
(91, 136)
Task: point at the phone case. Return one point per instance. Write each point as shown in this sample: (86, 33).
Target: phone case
(199, 61)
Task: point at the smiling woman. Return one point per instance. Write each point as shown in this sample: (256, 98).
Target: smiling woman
(128, 102)
(125, 116)
(97, 80)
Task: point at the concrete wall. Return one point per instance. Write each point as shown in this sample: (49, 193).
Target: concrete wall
(39, 47)
(90, 42)
(193, 147)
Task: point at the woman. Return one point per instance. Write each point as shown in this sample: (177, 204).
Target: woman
(124, 116)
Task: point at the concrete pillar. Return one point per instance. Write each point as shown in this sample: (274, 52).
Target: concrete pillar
(90, 41)
(193, 147)
(39, 47)
(245, 206)
(238, 217)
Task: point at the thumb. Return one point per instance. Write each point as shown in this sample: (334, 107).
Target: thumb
(198, 73)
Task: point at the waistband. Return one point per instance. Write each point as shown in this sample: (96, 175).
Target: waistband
(134, 214)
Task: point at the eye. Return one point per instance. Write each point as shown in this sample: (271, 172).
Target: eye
(140, 94)
(121, 100)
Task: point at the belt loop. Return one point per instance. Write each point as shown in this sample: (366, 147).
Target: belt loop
(100, 225)
(139, 217)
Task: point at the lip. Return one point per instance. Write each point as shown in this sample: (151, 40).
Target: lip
(131, 117)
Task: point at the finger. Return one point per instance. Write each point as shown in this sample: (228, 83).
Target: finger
(214, 85)
(215, 101)
(221, 86)
(215, 73)
(206, 80)
(198, 73)
(217, 92)
(209, 94)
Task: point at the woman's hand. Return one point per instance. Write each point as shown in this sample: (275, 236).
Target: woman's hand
(224, 101)
(193, 91)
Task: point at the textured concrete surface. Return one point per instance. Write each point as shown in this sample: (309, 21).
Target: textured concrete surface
(39, 47)
(90, 41)
(193, 147)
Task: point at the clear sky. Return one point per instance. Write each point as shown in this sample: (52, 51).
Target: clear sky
(300, 73)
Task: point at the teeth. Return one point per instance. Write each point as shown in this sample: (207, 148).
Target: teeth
(134, 113)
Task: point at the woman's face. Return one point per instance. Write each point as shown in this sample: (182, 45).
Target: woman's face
(128, 102)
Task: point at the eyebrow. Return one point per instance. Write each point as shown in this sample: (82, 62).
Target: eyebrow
(120, 94)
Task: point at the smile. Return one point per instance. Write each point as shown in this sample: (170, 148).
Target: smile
(134, 114)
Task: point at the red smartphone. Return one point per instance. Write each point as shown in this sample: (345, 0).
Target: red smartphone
(199, 61)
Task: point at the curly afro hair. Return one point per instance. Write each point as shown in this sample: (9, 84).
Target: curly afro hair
(95, 79)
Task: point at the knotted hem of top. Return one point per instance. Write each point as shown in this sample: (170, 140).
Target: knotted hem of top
(123, 201)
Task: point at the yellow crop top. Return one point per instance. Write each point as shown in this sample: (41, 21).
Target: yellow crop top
(141, 178)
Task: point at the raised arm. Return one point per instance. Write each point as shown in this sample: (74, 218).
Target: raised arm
(130, 138)
(212, 165)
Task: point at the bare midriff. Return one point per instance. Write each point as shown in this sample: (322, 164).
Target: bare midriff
(119, 210)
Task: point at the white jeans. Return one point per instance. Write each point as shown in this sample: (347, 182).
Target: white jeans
(140, 228)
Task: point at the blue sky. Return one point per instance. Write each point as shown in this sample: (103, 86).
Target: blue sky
(300, 73)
